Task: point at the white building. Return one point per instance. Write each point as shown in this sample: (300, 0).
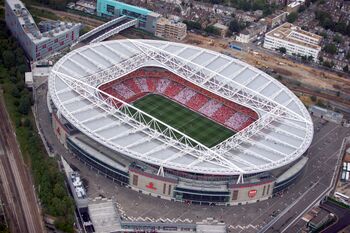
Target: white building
(36, 44)
(251, 33)
(295, 40)
(171, 29)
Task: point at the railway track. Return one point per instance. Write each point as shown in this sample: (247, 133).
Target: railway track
(75, 17)
(322, 95)
(16, 187)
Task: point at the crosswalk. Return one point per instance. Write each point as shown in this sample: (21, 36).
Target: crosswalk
(239, 227)
(148, 219)
(175, 220)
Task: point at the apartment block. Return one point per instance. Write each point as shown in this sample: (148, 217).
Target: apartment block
(37, 44)
(295, 40)
(171, 29)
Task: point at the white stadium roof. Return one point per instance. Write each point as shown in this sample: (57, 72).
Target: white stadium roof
(282, 133)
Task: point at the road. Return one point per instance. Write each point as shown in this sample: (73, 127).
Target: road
(17, 191)
(343, 217)
(323, 155)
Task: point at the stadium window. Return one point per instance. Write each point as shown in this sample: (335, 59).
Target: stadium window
(169, 190)
(264, 191)
(135, 180)
(164, 188)
(235, 195)
(268, 189)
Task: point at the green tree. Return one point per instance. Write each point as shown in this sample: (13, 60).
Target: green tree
(338, 38)
(212, 30)
(27, 123)
(235, 26)
(24, 105)
(302, 8)
(330, 48)
(15, 92)
(324, 19)
(292, 17)
(282, 50)
(8, 58)
(192, 24)
(328, 64)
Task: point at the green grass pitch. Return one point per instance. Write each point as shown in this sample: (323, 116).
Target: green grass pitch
(198, 127)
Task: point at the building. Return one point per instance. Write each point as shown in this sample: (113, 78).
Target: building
(294, 6)
(345, 170)
(223, 29)
(28, 80)
(112, 9)
(245, 16)
(296, 41)
(316, 218)
(37, 44)
(171, 29)
(76, 186)
(158, 162)
(252, 32)
(326, 114)
(276, 19)
(220, 9)
(320, 217)
(86, 6)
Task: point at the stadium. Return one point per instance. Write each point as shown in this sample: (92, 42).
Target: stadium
(179, 122)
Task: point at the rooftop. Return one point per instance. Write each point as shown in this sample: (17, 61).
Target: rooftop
(220, 26)
(166, 21)
(284, 138)
(104, 215)
(293, 34)
(29, 25)
(132, 8)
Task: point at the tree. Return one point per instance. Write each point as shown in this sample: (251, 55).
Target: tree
(292, 17)
(346, 68)
(341, 27)
(330, 48)
(212, 30)
(282, 50)
(338, 38)
(324, 19)
(324, 35)
(301, 8)
(24, 105)
(27, 123)
(328, 64)
(9, 58)
(15, 92)
(235, 26)
(192, 24)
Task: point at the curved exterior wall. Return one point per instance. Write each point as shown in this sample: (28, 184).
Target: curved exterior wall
(278, 143)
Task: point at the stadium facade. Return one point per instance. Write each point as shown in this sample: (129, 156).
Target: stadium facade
(93, 94)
